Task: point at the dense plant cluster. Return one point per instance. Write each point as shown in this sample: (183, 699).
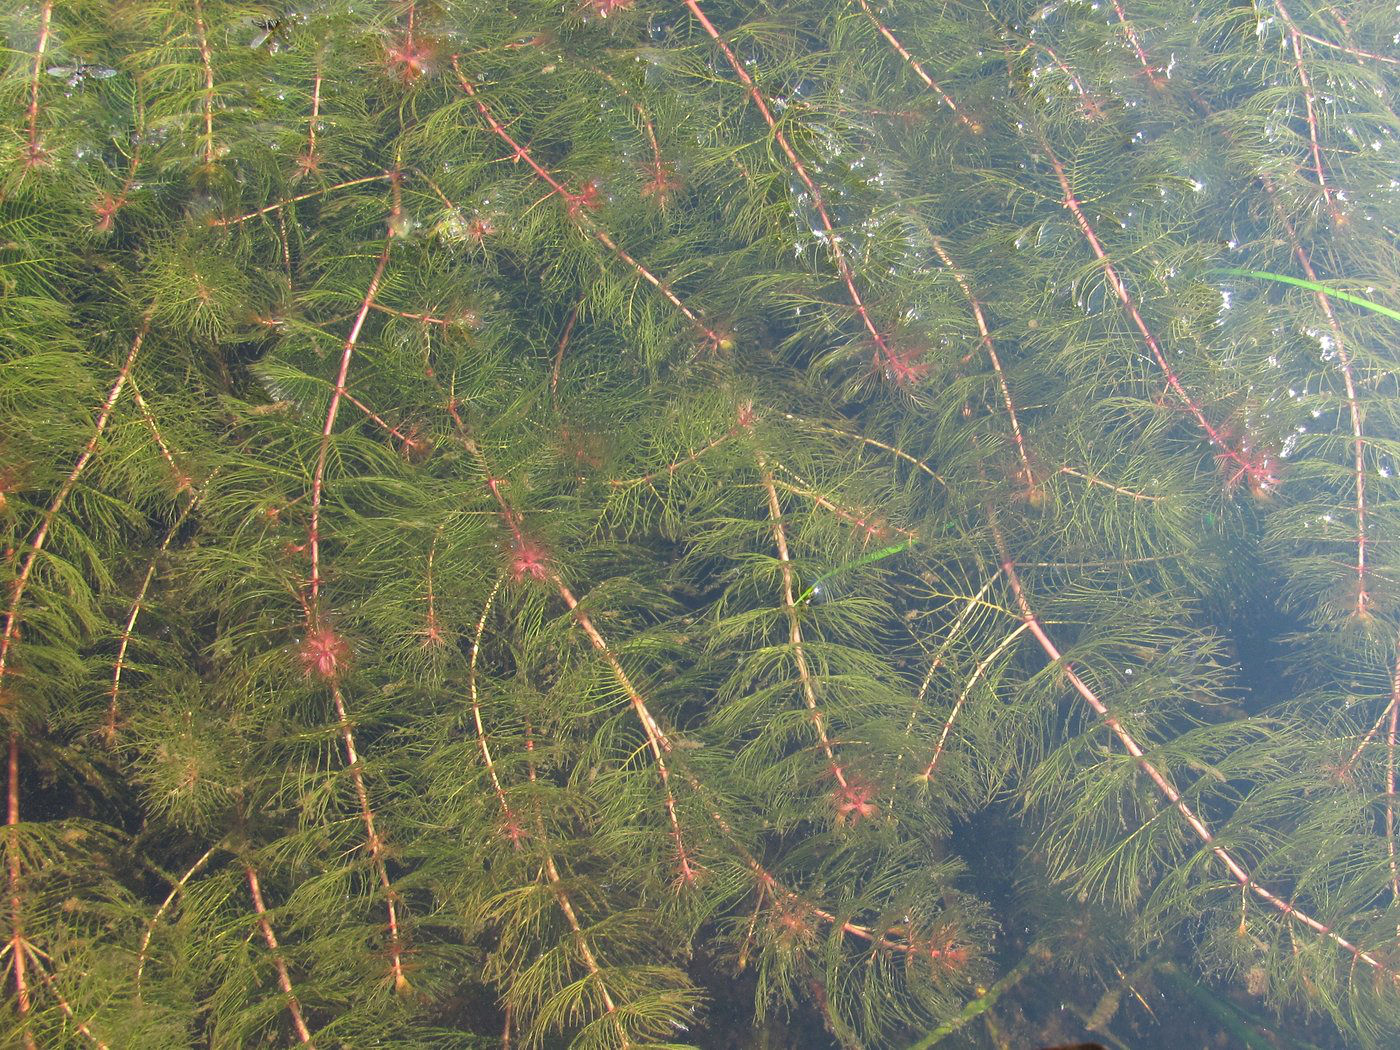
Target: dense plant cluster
(523, 522)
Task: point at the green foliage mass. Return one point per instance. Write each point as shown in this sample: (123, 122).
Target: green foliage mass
(422, 426)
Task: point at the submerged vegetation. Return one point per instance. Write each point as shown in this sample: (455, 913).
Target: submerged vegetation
(543, 525)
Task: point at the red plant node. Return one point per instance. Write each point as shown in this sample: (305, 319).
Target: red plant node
(1256, 468)
(528, 560)
(854, 802)
(308, 163)
(905, 368)
(662, 184)
(105, 207)
(409, 58)
(746, 416)
(605, 8)
(794, 922)
(589, 196)
(324, 653)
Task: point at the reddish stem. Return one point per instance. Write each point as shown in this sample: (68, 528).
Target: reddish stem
(373, 840)
(919, 71)
(1236, 870)
(36, 151)
(559, 353)
(1153, 76)
(799, 653)
(898, 453)
(301, 197)
(310, 160)
(577, 205)
(883, 353)
(1310, 107)
(17, 941)
(318, 477)
(284, 979)
(1091, 107)
(1093, 479)
(1355, 52)
(205, 58)
(675, 465)
(1390, 778)
(109, 732)
(107, 206)
(987, 344)
(432, 631)
(442, 322)
(512, 823)
(7, 640)
(927, 774)
(409, 442)
(182, 480)
(657, 740)
(866, 523)
(585, 952)
(1217, 438)
(1324, 302)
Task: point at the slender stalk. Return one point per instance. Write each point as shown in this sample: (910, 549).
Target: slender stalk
(310, 160)
(1258, 471)
(1001, 647)
(1159, 780)
(1310, 108)
(318, 477)
(799, 653)
(154, 920)
(985, 334)
(512, 824)
(559, 353)
(1153, 76)
(884, 354)
(7, 639)
(577, 205)
(442, 322)
(675, 465)
(1390, 745)
(36, 154)
(432, 631)
(898, 453)
(63, 1004)
(284, 979)
(206, 60)
(657, 740)
(300, 197)
(919, 70)
(1093, 479)
(584, 951)
(1353, 51)
(182, 480)
(863, 521)
(1092, 109)
(17, 943)
(373, 841)
(108, 204)
(109, 732)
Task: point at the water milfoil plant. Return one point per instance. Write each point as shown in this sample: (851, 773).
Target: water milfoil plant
(524, 525)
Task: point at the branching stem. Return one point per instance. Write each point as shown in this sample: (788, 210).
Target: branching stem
(284, 979)
(919, 70)
(1236, 870)
(7, 640)
(799, 653)
(884, 354)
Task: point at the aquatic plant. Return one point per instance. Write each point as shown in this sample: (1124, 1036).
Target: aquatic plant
(425, 429)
